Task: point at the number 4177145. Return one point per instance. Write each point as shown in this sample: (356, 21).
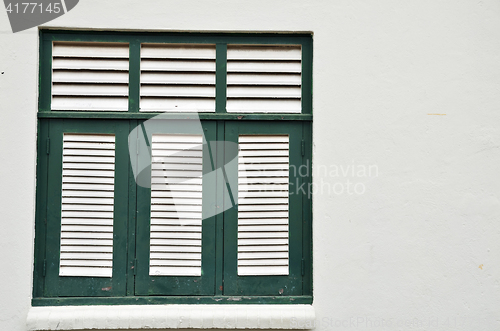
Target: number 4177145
(33, 7)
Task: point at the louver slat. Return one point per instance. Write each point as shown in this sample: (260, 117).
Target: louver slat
(263, 205)
(176, 205)
(87, 208)
(90, 76)
(264, 79)
(177, 77)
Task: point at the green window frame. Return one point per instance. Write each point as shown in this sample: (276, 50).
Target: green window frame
(130, 282)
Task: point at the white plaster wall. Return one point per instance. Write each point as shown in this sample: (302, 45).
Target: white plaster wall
(420, 248)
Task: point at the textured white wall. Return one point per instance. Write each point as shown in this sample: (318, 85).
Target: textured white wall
(420, 248)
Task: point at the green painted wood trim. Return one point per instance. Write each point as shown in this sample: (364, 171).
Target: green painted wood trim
(307, 249)
(219, 218)
(41, 208)
(159, 300)
(132, 216)
(134, 76)
(220, 78)
(176, 116)
(307, 87)
(177, 37)
(45, 74)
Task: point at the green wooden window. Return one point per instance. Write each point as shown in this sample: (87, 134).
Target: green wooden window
(205, 204)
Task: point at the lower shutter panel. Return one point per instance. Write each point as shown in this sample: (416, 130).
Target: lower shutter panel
(87, 205)
(176, 205)
(263, 172)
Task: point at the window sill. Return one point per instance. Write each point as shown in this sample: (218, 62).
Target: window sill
(171, 317)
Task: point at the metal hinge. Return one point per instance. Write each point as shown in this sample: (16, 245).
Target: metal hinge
(303, 267)
(303, 148)
(48, 146)
(44, 270)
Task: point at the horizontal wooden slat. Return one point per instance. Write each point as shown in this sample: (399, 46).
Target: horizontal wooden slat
(86, 228)
(262, 234)
(176, 249)
(177, 51)
(176, 207)
(262, 228)
(177, 91)
(174, 263)
(263, 106)
(173, 166)
(175, 221)
(90, 103)
(258, 249)
(265, 79)
(150, 77)
(257, 92)
(86, 256)
(87, 249)
(175, 228)
(119, 64)
(86, 263)
(263, 221)
(90, 76)
(90, 89)
(90, 49)
(261, 52)
(263, 241)
(263, 262)
(178, 104)
(176, 256)
(175, 235)
(163, 64)
(262, 271)
(85, 271)
(262, 255)
(293, 66)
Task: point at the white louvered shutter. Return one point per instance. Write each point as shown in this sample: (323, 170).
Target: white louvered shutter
(87, 205)
(177, 78)
(176, 205)
(264, 79)
(90, 76)
(263, 171)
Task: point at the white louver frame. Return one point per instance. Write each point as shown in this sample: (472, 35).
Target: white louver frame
(87, 205)
(263, 172)
(176, 205)
(90, 76)
(177, 77)
(264, 79)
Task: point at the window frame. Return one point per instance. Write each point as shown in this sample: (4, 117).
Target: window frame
(47, 118)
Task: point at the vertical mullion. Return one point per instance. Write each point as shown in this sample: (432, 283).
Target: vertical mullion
(307, 76)
(41, 208)
(220, 77)
(219, 219)
(121, 213)
(45, 69)
(132, 213)
(134, 76)
(307, 212)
